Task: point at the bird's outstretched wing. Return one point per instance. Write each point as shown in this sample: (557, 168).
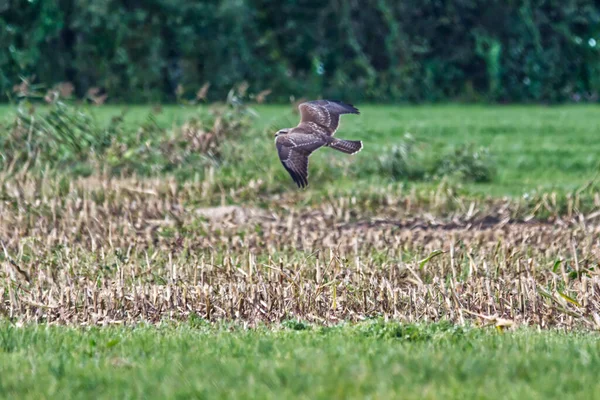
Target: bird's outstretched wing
(293, 150)
(325, 114)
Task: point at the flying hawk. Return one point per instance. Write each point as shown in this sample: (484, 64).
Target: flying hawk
(319, 122)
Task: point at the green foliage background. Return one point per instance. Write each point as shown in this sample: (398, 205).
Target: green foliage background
(363, 50)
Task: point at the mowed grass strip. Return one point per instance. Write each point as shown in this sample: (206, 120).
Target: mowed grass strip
(372, 359)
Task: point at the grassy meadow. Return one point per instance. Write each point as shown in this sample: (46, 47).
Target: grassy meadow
(521, 149)
(165, 252)
(375, 360)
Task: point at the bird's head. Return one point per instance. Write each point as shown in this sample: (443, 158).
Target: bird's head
(282, 132)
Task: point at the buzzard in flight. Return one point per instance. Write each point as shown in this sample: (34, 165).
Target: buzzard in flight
(319, 122)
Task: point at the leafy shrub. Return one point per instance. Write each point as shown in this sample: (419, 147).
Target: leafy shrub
(467, 163)
(62, 136)
(183, 149)
(68, 135)
(402, 161)
(407, 161)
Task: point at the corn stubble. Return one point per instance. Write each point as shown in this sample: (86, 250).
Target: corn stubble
(97, 251)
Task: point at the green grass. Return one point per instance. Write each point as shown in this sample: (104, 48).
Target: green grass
(533, 148)
(373, 360)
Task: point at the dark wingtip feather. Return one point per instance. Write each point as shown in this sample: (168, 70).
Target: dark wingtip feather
(350, 107)
(300, 181)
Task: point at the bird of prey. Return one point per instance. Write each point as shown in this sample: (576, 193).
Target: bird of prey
(319, 121)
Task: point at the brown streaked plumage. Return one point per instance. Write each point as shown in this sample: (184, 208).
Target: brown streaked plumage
(319, 121)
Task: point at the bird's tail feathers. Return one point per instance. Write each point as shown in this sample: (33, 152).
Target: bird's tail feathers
(347, 146)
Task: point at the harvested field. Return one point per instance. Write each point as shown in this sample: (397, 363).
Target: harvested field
(99, 251)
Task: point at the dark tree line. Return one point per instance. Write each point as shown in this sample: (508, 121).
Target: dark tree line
(380, 50)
